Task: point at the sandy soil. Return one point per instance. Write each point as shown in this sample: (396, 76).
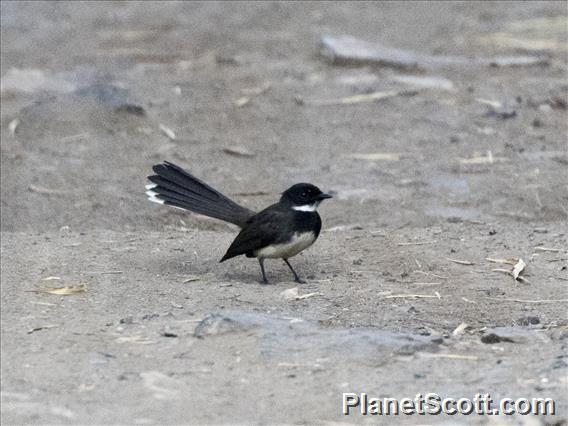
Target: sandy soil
(162, 333)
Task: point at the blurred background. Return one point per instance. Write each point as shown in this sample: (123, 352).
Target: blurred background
(458, 111)
(441, 128)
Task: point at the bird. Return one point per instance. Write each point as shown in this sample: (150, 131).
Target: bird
(280, 231)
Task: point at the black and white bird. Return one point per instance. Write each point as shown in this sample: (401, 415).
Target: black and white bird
(280, 231)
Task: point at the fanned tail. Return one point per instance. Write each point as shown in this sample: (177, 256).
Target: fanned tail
(173, 186)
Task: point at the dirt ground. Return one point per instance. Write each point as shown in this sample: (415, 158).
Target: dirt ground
(459, 164)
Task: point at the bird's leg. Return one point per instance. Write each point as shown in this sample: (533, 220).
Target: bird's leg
(261, 262)
(296, 277)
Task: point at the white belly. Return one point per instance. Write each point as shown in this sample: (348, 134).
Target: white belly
(298, 243)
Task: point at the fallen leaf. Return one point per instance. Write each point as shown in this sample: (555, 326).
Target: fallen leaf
(460, 329)
(238, 151)
(489, 159)
(83, 387)
(50, 278)
(292, 294)
(242, 101)
(43, 190)
(489, 102)
(547, 249)
(345, 49)
(426, 82)
(376, 156)
(499, 109)
(509, 260)
(41, 327)
(190, 279)
(307, 295)
(461, 262)
(357, 99)
(65, 291)
(168, 132)
(518, 268)
(13, 126)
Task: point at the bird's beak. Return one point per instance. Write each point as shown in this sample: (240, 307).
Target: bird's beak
(323, 196)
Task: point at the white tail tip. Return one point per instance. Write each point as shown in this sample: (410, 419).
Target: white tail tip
(155, 200)
(151, 186)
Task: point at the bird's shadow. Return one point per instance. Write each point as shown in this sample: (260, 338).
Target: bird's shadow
(240, 270)
(276, 271)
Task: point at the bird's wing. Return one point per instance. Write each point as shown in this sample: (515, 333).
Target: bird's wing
(261, 230)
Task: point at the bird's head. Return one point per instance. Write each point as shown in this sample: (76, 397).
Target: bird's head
(304, 197)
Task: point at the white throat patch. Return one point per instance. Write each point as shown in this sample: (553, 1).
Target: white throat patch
(307, 207)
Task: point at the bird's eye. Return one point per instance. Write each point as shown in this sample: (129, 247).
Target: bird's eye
(303, 194)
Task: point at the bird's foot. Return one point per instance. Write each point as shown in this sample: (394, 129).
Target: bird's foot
(300, 281)
(264, 281)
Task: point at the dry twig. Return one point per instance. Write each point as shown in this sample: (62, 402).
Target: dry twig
(413, 296)
(461, 262)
